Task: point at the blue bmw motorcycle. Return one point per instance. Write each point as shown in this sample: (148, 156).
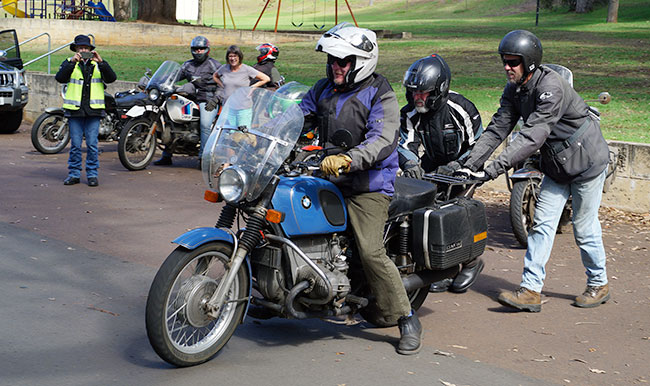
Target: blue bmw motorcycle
(291, 243)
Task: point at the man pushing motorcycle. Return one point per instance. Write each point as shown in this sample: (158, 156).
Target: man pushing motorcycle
(355, 98)
(574, 158)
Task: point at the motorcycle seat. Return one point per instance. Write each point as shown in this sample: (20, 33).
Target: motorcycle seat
(129, 100)
(411, 194)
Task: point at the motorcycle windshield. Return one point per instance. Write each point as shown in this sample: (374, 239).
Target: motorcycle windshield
(255, 132)
(165, 76)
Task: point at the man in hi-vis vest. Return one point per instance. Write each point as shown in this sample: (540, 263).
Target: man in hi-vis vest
(85, 73)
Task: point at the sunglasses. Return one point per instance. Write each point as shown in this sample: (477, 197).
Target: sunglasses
(341, 61)
(512, 62)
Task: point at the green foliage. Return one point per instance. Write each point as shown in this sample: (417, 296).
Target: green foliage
(611, 57)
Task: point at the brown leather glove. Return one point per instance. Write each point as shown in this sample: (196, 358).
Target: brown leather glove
(331, 164)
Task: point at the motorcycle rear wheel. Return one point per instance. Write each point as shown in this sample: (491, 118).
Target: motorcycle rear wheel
(50, 133)
(371, 313)
(134, 149)
(179, 329)
(522, 208)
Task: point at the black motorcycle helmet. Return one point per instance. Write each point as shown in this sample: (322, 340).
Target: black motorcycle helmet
(430, 74)
(200, 42)
(525, 44)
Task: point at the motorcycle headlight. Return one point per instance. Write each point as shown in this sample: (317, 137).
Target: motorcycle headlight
(154, 94)
(232, 184)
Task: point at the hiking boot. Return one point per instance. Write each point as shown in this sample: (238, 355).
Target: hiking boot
(593, 296)
(522, 299)
(410, 330)
(163, 161)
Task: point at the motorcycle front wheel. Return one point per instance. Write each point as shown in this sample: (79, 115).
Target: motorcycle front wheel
(178, 326)
(522, 208)
(50, 133)
(137, 146)
(371, 313)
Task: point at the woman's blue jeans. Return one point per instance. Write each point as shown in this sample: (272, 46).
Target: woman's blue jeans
(586, 197)
(81, 127)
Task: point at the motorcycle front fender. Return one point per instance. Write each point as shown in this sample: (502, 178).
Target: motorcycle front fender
(54, 111)
(527, 173)
(199, 236)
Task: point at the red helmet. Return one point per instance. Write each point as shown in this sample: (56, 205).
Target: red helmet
(267, 52)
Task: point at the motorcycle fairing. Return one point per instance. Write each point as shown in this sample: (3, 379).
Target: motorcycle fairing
(311, 206)
(199, 236)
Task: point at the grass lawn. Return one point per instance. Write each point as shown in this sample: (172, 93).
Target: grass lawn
(603, 57)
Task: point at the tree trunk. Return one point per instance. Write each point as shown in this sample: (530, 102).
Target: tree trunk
(612, 11)
(584, 6)
(199, 17)
(157, 11)
(122, 10)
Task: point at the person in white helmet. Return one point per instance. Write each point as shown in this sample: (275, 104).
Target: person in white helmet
(361, 101)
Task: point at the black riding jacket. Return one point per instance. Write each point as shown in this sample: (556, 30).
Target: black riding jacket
(441, 136)
(206, 87)
(553, 113)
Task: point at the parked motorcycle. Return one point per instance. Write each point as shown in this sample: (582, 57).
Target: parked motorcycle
(167, 117)
(524, 183)
(293, 245)
(50, 132)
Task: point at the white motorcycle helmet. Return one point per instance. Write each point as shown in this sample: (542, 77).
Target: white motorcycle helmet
(345, 40)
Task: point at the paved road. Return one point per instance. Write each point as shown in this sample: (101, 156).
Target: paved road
(71, 316)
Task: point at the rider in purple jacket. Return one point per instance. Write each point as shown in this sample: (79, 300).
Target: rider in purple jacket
(353, 97)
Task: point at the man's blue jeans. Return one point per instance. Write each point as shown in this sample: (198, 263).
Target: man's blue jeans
(586, 198)
(206, 118)
(81, 127)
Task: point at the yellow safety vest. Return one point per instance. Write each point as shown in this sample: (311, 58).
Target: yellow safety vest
(72, 99)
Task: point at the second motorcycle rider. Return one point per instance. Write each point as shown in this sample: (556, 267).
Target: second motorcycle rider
(356, 98)
(201, 66)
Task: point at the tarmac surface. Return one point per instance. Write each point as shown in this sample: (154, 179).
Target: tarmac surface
(76, 263)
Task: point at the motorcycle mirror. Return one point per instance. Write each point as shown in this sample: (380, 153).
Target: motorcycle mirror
(147, 72)
(604, 98)
(342, 138)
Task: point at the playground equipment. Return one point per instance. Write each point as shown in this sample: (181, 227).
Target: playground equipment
(11, 7)
(62, 9)
(336, 14)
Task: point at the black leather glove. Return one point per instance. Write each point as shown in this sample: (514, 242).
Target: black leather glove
(449, 169)
(212, 104)
(412, 170)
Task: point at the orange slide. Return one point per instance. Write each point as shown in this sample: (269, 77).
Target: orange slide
(10, 6)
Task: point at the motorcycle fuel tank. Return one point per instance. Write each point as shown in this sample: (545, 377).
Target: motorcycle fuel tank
(311, 206)
(181, 109)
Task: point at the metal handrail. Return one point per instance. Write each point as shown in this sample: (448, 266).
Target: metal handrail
(50, 52)
(49, 47)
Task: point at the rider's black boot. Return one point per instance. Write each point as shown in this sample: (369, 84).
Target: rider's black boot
(467, 276)
(410, 330)
(163, 161)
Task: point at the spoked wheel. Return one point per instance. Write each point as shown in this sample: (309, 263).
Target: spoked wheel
(50, 133)
(371, 313)
(178, 326)
(522, 208)
(137, 144)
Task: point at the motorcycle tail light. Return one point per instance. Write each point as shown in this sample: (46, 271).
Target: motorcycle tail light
(211, 196)
(274, 216)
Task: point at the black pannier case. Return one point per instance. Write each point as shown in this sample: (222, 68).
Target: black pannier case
(449, 234)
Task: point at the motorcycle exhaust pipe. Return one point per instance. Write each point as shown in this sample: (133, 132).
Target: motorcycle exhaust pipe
(425, 278)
